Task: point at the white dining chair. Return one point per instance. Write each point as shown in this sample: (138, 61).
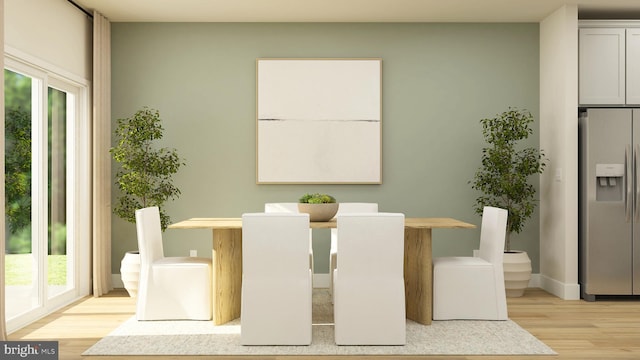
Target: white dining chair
(345, 208)
(369, 297)
(291, 208)
(170, 288)
(276, 280)
(284, 207)
(472, 288)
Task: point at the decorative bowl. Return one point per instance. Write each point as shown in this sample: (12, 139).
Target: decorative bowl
(319, 212)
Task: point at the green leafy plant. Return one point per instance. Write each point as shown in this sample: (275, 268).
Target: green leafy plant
(17, 169)
(504, 175)
(145, 176)
(317, 199)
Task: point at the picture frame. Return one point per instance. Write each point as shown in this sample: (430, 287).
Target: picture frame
(319, 121)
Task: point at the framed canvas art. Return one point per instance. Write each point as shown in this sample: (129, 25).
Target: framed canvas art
(319, 121)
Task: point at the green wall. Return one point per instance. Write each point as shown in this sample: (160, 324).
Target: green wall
(439, 80)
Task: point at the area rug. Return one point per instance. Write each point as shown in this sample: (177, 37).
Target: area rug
(203, 338)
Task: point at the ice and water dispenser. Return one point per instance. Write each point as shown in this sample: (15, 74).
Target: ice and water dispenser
(609, 182)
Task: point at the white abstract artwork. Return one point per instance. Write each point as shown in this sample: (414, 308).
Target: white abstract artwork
(319, 121)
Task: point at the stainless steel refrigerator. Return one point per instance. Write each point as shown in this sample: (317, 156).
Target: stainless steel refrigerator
(609, 202)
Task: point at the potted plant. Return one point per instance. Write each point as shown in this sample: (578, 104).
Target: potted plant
(145, 175)
(320, 207)
(503, 180)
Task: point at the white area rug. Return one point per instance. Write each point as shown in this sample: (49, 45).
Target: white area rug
(204, 338)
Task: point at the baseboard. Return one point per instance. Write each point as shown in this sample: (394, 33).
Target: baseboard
(116, 281)
(559, 289)
(534, 281)
(555, 287)
(322, 281)
(319, 281)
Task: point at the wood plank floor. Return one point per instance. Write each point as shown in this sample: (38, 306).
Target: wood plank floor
(574, 329)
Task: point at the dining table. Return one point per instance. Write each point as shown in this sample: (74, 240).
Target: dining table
(227, 263)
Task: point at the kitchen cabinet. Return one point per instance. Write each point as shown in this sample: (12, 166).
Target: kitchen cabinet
(633, 66)
(609, 65)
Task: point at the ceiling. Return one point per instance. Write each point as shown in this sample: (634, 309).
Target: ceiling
(352, 10)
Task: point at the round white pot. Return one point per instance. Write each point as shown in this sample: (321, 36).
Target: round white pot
(130, 272)
(517, 272)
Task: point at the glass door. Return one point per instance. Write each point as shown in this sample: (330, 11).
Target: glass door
(21, 266)
(59, 252)
(41, 171)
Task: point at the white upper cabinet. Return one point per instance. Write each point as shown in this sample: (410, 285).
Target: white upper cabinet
(609, 64)
(601, 66)
(633, 66)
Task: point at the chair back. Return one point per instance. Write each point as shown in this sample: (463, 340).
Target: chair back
(149, 232)
(289, 207)
(371, 245)
(492, 234)
(354, 207)
(275, 245)
(357, 207)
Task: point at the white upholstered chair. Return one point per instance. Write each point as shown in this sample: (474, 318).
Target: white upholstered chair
(170, 288)
(276, 279)
(472, 288)
(291, 208)
(345, 208)
(287, 207)
(369, 298)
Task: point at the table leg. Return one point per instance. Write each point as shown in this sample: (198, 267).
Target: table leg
(227, 274)
(418, 275)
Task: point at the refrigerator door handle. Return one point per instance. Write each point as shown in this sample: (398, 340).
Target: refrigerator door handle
(628, 202)
(636, 184)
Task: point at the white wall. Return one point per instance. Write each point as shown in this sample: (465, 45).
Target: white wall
(63, 40)
(559, 140)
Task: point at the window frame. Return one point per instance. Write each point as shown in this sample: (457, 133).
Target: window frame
(78, 177)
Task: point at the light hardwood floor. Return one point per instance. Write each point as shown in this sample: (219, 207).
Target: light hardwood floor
(574, 329)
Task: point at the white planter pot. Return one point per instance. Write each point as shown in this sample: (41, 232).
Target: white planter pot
(517, 272)
(130, 272)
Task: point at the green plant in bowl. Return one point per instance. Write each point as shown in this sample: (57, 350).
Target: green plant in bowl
(317, 199)
(320, 207)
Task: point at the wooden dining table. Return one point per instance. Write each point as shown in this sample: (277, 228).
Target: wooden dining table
(227, 263)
